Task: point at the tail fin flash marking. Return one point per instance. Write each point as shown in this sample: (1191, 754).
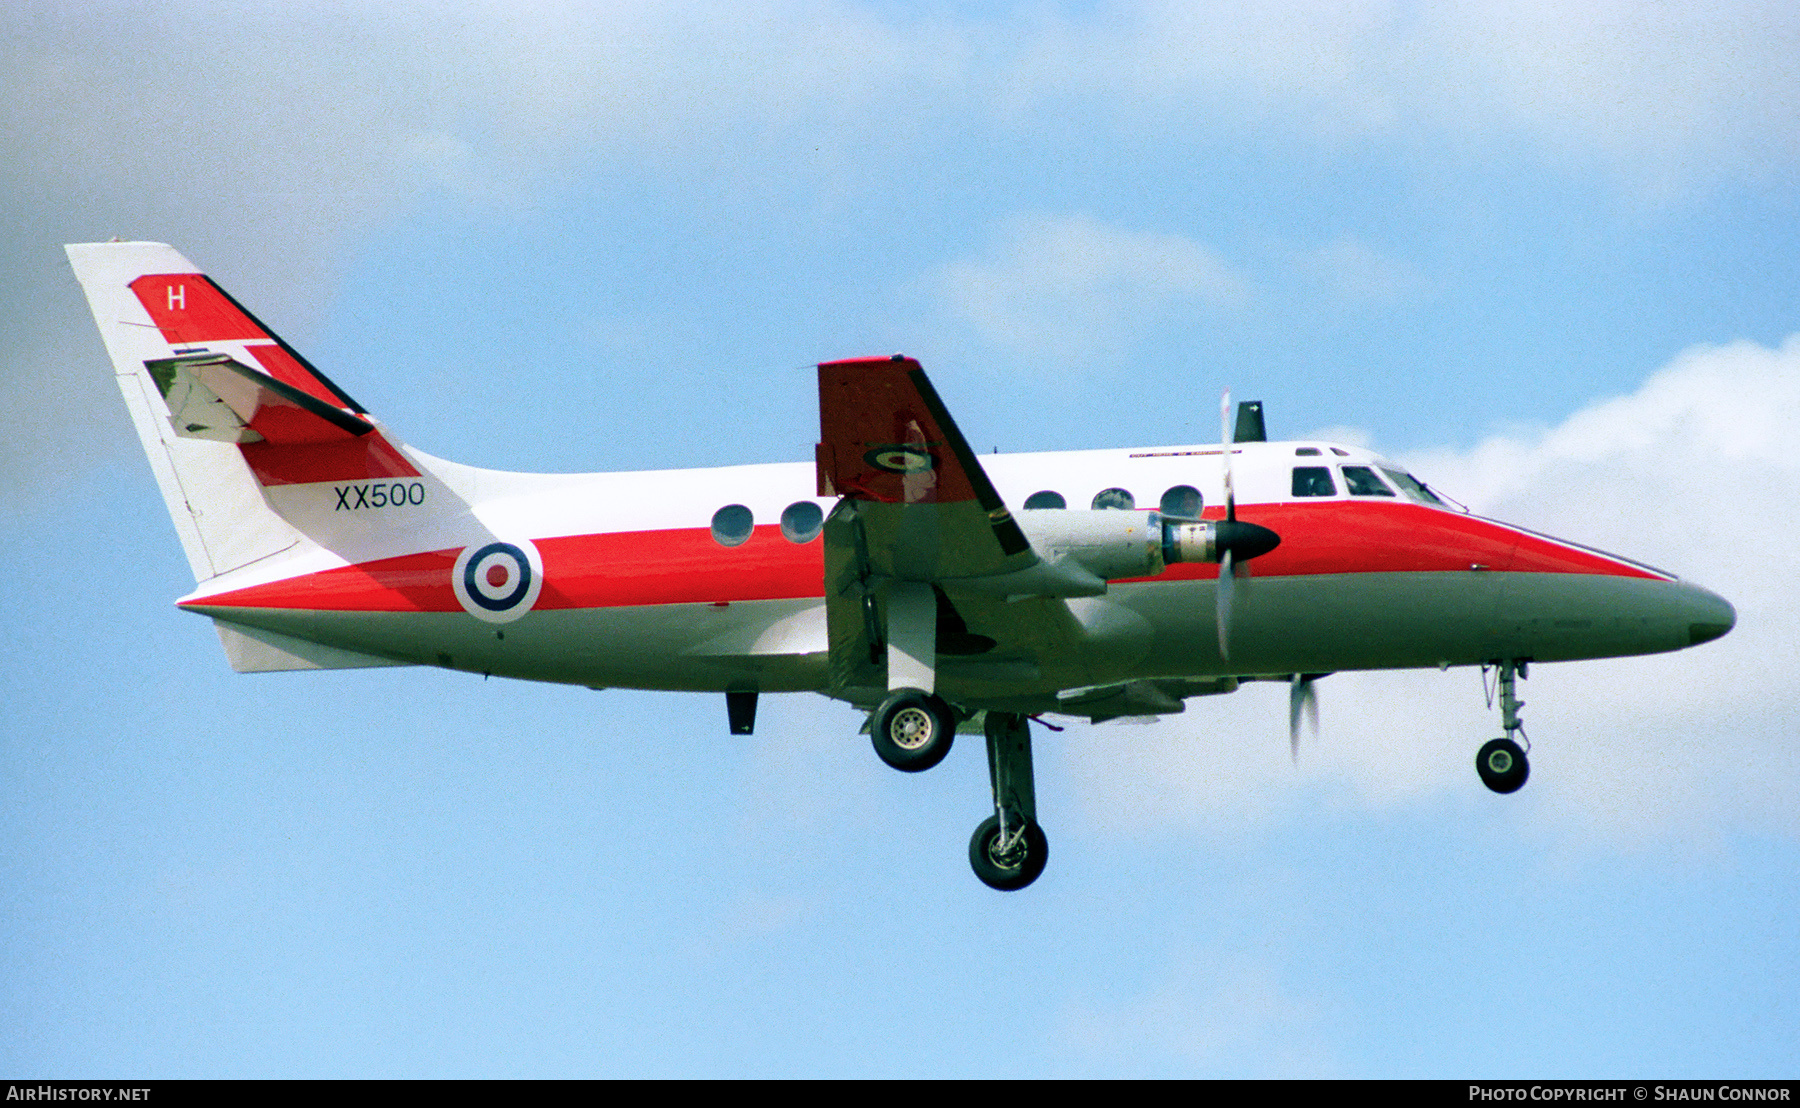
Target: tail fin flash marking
(286, 368)
(162, 321)
(366, 458)
(291, 422)
(188, 309)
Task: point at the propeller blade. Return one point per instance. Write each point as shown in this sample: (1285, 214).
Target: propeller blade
(1303, 699)
(1225, 453)
(1227, 560)
(1227, 584)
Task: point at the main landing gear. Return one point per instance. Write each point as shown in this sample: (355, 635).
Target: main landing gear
(912, 731)
(913, 728)
(1501, 762)
(1008, 850)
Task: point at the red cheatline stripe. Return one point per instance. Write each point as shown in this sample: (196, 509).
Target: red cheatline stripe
(1390, 537)
(632, 568)
(620, 569)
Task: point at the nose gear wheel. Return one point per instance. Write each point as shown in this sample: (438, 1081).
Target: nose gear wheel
(1501, 763)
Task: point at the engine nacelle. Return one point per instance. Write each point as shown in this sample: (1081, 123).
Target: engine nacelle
(1108, 543)
(1113, 544)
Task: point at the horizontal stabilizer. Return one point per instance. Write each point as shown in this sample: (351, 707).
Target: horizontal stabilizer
(214, 396)
(189, 310)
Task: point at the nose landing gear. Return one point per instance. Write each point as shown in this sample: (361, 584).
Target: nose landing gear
(1501, 762)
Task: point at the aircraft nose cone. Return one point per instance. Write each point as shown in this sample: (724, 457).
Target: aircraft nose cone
(1712, 616)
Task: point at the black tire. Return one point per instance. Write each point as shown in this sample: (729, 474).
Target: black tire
(1502, 766)
(1007, 874)
(912, 730)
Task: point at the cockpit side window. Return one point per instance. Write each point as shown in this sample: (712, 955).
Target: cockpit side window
(1413, 487)
(1313, 481)
(1361, 481)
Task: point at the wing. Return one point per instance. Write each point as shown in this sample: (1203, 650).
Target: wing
(920, 552)
(889, 446)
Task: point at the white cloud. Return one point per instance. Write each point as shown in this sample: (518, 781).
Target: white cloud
(1667, 95)
(1071, 284)
(307, 120)
(1696, 472)
(261, 139)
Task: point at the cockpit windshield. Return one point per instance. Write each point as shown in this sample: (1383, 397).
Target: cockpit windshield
(1413, 487)
(1362, 481)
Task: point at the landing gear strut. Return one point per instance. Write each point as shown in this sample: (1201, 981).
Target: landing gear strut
(1501, 762)
(1008, 850)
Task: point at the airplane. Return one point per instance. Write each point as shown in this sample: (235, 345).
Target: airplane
(938, 591)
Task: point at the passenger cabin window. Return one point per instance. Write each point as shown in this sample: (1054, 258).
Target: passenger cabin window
(802, 521)
(1114, 498)
(1182, 502)
(1361, 481)
(732, 525)
(1413, 487)
(1046, 499)
(1313, 481)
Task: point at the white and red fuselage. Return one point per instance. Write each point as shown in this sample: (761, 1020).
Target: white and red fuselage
(628, 587)
(320, 541)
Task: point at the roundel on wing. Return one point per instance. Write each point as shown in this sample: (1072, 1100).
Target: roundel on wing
(901, 459)
(498, 581)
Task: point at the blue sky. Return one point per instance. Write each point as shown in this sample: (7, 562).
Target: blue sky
(1546, 254)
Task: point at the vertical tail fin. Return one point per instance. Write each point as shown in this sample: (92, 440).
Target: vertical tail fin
(215, 502)
(223, 406)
